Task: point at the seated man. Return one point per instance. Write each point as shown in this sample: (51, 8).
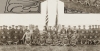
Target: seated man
(22, 6)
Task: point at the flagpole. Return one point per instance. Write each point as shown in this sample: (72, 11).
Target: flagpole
(56, 22)
(46, 19)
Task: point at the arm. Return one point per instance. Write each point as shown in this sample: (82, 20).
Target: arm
(23, 36)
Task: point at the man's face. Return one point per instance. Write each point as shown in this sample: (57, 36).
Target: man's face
(63, 26)
(36, 26)
(95, 26)
(89, 27)
(74, 27)
(5, 27)
(12, 26)
(92, 26)
(16, 27)
(69, 27)
(9, 27)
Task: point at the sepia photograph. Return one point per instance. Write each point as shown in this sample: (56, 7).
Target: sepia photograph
(49, 25)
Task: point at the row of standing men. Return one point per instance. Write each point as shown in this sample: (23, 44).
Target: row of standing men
(50, 36)
(70, 36)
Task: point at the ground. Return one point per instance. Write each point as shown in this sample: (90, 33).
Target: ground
(50, 48)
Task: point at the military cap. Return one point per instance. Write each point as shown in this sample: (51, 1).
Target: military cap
(89, 25)
(16, 26)
(20, 26)
(74, 26)
(13, 25)
(9, 26)
(92, 25)
(95, 25)
(26, 26)
(79, 26)
(36, 25)
(83, 25)
(27, 31)
(44, 26)
(98, 26)
(69, 26)
(62, 25)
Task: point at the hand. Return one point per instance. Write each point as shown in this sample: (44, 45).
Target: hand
(22, 39)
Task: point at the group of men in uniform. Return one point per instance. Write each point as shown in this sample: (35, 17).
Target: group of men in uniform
(11, 34)
(49, 35)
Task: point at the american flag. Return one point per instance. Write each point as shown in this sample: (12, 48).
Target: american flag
(46, 19)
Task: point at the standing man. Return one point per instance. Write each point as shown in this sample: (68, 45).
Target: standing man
(96, 34)
(43, 36)
(15, 40)
(89, 31)
(9, 39)
(55, 36)
(49, 36)
(91, 35)
(21, 33)
(12, 32)
(63, 35)
(74, 36)
(84, 34)
(99, 33)
(79, 35)
(27, 37)
(37, 34)
(0, 34)
(25, 30)
(69, 34)
(3, 36)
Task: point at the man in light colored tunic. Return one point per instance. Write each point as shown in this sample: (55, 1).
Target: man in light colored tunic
(27, 37)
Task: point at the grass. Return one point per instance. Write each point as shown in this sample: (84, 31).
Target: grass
(50, 48)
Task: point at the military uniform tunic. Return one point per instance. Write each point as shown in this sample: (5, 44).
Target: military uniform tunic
(43, 37)
(63, 36)
(16, 35)
(69, 35)
(79, 36)
(54, 37)
(3, 36)
(9, 35)
(83, 36)
(74, 37)
(35, 36)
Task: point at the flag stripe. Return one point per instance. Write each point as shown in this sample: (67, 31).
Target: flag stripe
(46, 19)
